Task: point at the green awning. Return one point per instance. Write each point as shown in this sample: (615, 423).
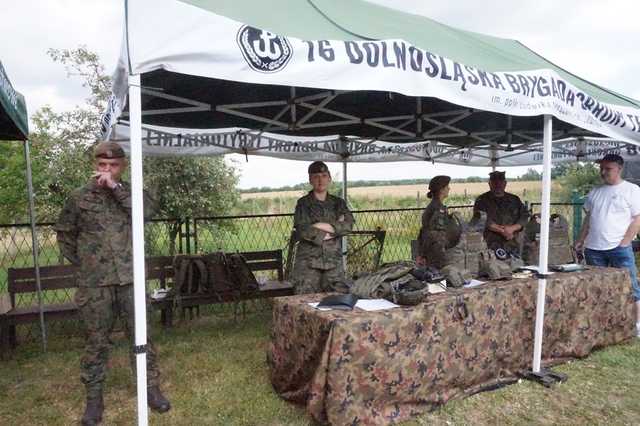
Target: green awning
(361, 20)
(14, 123)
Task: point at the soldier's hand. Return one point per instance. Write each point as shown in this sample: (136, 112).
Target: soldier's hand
(105, 179)
(326, 227)
(508, 233)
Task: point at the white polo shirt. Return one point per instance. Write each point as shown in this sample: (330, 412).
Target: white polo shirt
(611, 208)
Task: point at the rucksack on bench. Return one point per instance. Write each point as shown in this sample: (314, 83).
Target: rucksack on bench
(215, 273)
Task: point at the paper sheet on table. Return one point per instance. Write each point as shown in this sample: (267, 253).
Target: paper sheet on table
(365, 305)
(375, 304)
(473, 283)
(315, 305)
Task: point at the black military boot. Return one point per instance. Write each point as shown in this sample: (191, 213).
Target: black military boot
(156, 401)
(93, 412)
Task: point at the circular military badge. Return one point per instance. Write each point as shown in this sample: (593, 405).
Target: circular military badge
(263, 50)
(501, 253)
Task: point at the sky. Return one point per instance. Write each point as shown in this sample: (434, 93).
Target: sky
(597, 40)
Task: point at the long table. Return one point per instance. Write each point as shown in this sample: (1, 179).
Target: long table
(371, 368)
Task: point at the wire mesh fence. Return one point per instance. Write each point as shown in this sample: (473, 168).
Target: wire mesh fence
(228, 234)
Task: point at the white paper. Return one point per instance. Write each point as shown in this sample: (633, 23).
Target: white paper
(437, 288)
(315, 305)
(473, 283)
(375, 304)
(364, 304)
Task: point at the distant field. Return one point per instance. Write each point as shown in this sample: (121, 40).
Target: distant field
(399, 191)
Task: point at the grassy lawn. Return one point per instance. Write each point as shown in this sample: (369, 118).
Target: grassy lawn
(215, 373)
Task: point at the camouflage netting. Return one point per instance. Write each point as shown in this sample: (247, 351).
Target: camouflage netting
(382, 367)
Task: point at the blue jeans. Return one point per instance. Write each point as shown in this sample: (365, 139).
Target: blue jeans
(619, 257)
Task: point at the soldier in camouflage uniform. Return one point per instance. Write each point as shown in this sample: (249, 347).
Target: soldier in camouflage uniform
(94, 234)
(434, 239)
(506, 215)
(320, 220)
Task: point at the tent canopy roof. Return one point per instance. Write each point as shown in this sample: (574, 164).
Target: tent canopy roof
(361, 20)
(13, 111)
(329, 68)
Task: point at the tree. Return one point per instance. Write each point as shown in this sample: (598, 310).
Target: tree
(580, 177)
(62, 161)
(531, 174)
(559, 170)
(187, 188)
(60, 145)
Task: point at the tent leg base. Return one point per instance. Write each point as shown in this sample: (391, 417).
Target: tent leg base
(545, 377)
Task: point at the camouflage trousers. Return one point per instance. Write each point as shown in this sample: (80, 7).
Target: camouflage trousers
(99, 308)
(307, 279)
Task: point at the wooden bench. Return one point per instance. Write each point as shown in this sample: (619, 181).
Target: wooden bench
(23, 281)
(160, 268)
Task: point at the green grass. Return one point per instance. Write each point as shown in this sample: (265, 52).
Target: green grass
(215, 373)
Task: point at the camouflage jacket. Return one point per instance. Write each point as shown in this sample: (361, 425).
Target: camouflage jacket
(94, 233)
(505, 210)
(324, 254)
(436, 235)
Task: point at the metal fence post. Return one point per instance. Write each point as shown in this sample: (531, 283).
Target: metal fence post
(578, 201)
(187, 234)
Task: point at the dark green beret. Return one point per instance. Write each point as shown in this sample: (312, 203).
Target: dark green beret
(108, 149)
(318, 167)
(437, 183)
(496, 175)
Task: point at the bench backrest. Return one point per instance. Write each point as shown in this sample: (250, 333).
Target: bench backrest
(55, 277)
(161, 267)
(268, 260)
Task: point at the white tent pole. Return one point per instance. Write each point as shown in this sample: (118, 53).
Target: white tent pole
(34, 242)
(137, 219)
(344, 181)
(544, 243)
(344, 197)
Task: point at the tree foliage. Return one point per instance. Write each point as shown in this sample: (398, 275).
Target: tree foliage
(579, 177)
(62, 161)
(531, 174)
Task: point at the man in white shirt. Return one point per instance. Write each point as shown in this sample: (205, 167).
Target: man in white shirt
(611, 223)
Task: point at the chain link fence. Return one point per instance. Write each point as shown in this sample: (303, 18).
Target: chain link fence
(224, 233)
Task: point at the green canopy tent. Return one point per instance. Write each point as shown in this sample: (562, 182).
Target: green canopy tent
(14, 125)
(352, 71)
(13, 111)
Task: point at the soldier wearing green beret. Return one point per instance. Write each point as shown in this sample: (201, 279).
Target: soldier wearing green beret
(321, 219)
(94, 234)
(506, 215)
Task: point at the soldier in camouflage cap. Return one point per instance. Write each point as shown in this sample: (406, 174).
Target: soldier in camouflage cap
(94, 234)
(320, 221)
(506, 215)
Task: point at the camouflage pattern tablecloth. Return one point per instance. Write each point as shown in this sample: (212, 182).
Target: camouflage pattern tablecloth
(371, 368)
